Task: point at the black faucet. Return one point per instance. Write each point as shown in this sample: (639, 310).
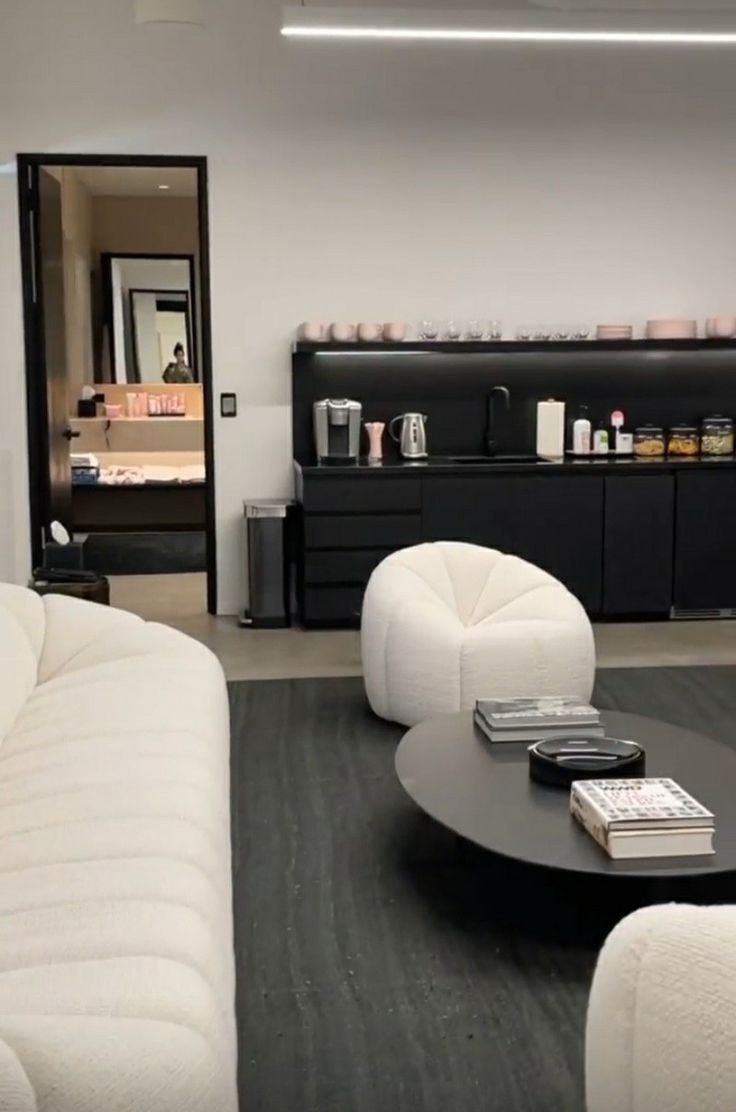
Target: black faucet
(491, 416)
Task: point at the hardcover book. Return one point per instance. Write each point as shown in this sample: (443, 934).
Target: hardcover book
(523, 713)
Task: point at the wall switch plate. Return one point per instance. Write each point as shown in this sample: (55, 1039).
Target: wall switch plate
(228, 405)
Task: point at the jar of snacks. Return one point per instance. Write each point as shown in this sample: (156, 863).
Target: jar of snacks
(717, 436)
(683, 440)
(649, 441)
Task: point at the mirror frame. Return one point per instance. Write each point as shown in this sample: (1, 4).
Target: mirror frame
(106, 263)
(189, 327)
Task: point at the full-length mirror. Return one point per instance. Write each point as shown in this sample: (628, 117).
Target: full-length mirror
(151, 318)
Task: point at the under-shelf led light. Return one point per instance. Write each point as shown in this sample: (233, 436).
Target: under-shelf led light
(634, 28)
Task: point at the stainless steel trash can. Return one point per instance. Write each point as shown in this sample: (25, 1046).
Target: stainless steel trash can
(267, 568)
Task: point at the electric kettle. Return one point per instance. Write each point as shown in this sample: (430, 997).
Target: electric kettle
(412, 439)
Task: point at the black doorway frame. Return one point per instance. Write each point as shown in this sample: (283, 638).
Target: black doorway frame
(106, 258)
(36, 406)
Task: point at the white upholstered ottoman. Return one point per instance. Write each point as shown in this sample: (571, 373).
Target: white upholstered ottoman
(445, 624)
(116, 941)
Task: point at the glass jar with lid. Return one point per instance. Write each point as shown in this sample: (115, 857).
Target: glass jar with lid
(717, 436)
(649, 442)
(683, 440)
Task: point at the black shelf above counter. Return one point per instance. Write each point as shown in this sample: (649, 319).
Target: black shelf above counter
(496, 347)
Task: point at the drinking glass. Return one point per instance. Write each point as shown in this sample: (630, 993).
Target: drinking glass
(453, 331)
(524, 333)
(495, 330)
(580, 332)
(428, 330)
(475, 330)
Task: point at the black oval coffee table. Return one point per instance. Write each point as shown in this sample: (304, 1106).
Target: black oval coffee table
(483, 793)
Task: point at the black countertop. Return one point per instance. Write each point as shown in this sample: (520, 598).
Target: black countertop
(444, 465)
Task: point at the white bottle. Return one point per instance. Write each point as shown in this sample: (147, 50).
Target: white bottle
(581, 436)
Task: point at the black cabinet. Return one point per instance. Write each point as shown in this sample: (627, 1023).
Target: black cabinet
(633, 541)
(705, 541)
(638, 542)
(350, 524)
(555, 522)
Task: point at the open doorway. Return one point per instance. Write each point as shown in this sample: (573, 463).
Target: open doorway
(119, 371)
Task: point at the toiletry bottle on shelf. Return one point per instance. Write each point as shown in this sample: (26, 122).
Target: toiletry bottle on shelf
(600, 440)
(582, 433)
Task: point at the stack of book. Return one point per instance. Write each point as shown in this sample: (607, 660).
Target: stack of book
(506, 720)
(642, 818)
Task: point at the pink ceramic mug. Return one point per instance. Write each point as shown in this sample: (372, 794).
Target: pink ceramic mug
(342, 333)
(311, 330)
(394, 332)
(369, 333)
(720, 328)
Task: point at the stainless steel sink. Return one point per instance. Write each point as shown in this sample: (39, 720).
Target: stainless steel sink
(491, 459)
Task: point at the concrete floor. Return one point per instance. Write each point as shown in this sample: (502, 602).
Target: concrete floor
(180, 601)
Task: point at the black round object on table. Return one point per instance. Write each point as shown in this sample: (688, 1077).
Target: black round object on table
(483, 793)
(559, 761)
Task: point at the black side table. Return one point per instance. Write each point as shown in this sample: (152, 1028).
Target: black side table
(95, 591)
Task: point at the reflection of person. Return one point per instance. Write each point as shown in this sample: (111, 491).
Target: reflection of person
(178, 371)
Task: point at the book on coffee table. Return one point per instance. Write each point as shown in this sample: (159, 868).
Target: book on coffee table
(533, 719)
(651, 817)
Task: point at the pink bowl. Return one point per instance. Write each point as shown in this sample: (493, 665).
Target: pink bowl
(674, 329)
(614, 332)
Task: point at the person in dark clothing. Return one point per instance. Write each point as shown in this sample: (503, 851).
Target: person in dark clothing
(178, 371)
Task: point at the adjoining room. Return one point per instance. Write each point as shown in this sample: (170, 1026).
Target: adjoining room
(120, 456)
(367, 593)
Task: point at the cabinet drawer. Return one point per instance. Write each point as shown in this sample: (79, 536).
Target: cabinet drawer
(362, 494)
(361, 530)
(351, 566)
(332, 604)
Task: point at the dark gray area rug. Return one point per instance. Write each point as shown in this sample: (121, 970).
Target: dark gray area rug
(383, 968)
(145, 553)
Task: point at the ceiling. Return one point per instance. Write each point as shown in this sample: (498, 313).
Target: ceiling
(697, 7)
(138, 181)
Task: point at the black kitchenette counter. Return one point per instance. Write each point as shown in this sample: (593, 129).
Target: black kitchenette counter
(443, 465)
(628, 536)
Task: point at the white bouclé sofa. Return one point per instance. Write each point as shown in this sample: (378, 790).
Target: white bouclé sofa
(116, 952)
(662, 1013)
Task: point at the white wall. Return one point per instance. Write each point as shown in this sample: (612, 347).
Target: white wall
(364, 182)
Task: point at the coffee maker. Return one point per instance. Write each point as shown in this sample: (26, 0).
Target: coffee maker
(337, 430)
